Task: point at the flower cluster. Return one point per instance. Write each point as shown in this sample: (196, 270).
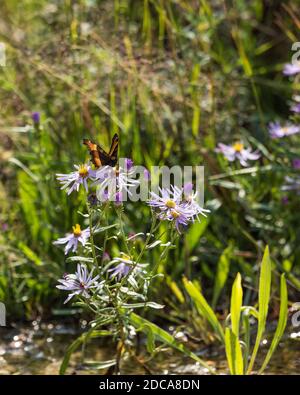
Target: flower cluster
(112, 182)
(124, 276)
(176, 205)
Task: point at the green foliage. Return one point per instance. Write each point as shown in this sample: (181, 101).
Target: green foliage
(238, 353)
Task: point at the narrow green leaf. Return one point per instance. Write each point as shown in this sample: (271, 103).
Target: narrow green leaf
(222, 274)
(263, 302)
(229, 350)
(236, 304)
(203, 307)
(283, 314)
(233, 353)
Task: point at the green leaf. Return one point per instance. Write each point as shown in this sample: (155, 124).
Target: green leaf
(283, 314)
(203, 307)
(229, 350)
(233, 353)
(236, 304)
(165, 337)
(222, 274)
(150, 341)
(263, 302)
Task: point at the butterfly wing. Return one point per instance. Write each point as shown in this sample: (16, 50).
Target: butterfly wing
(113, 151)
(98, 155)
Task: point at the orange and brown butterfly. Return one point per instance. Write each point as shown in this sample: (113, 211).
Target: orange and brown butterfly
(99, 156)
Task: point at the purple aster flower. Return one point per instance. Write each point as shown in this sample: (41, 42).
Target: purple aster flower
(72, 181)
(291, 68)
(126, 267)
(36, 117)
(292, 184)
(71, 239)
(172, 205)
(167, 200)
(237, 151)
(278, 131)
(119, 271)
(79, 283)
(296, 163)
(114, 179)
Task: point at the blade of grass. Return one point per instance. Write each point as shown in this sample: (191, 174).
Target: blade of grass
(233, 353)
(263, 303)
(204, 308)
(236, 304)
(283, 314)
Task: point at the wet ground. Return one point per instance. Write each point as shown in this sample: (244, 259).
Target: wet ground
(38, 348)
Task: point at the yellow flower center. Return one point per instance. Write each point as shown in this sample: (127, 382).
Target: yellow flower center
(175, 214)
(83, 171)
(170, 203)
(125, 258)
(76, 230)
(238, 147)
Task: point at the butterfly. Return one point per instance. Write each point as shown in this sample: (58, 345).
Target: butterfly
(99, 156)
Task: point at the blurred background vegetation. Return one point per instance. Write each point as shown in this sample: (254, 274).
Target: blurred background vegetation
(173, 78)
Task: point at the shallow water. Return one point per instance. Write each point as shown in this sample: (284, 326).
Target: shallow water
(38, 348)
